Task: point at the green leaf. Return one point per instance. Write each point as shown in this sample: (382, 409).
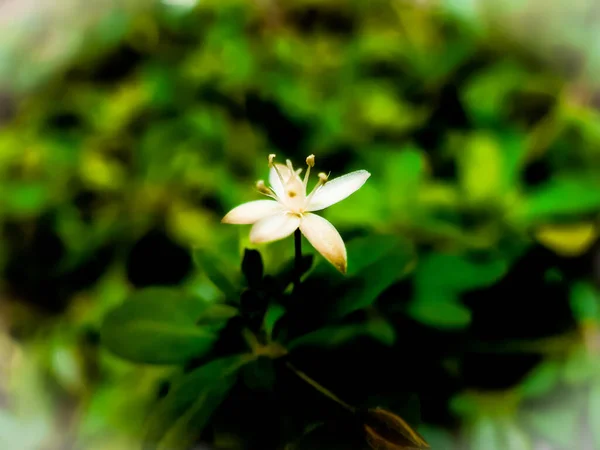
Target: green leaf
(179, 417)
(455, 272)
(514, 437)
(286, 275)
(580, 366)
(443, 313)
(157, 326)
(336, 335)
(217, 314)
(274, 312)
(362, 253)
(541, 380)
(375, 275)
(25, 199)
(218, 273)
(485, 95)
(252, 267)
(481, 167)
(594, 413)
(485, 435)
(437, 438)
(584, 303)
(259, 374)
(559, 423)
(567, 196)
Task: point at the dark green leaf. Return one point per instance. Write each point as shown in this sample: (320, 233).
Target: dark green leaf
(252, 267)
(336, 335)
(286, 276)
(273, 314)
(259, 374)
(371, 280)
(442, 313)
(329, 436)
(157, 326)
(456, 272)
(181, 415)
(216, 314)
(218, 273)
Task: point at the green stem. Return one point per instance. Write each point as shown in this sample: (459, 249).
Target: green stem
(297, 257)
(320, 388)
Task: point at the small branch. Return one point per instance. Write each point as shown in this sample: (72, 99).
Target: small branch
(320, 388)
(297, 257)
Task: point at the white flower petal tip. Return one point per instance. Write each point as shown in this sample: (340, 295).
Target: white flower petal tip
(325, 238)
(252, 212)
(274, 228)
(337, 190)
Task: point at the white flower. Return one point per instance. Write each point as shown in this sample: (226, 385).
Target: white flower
(291, 208)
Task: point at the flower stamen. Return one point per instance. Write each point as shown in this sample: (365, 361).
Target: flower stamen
(310, 162)
(274, 166)
(289, 164)
(323, 177)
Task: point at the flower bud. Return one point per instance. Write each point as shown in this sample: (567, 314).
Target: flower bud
(387, 431)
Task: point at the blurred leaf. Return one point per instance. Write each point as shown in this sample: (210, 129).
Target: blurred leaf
(259, 374)
(559, 424)
(380, 268)
(179, 418)
(24, 199)
(515, 437)
(274, 312)
(485, 434)
(580, 366)
(286, 275)
(442, 313)
(216, 314)
(488, 91)
(594, 413)
(568, 240)
(566, 196)
(541, 380)
(252, 267)
(438, 438)
(585, 303)
(157, 326)
(481, 166)
(217, 271)
(336, 335)
(456, 273)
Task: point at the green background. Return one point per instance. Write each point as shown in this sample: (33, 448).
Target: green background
(127, 131)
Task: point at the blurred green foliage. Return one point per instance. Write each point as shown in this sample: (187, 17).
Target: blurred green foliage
(470, 306)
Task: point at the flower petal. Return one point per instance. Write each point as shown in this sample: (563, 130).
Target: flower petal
(324, 237)
(252, 212)
(273, 228)
(337, 190)
(274, 180)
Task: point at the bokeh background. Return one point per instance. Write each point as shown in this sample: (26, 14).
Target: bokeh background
(128, 128)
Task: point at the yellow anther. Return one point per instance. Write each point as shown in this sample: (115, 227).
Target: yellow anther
(262, 187)
(271, 159)
(310, 160)
(323, 177)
